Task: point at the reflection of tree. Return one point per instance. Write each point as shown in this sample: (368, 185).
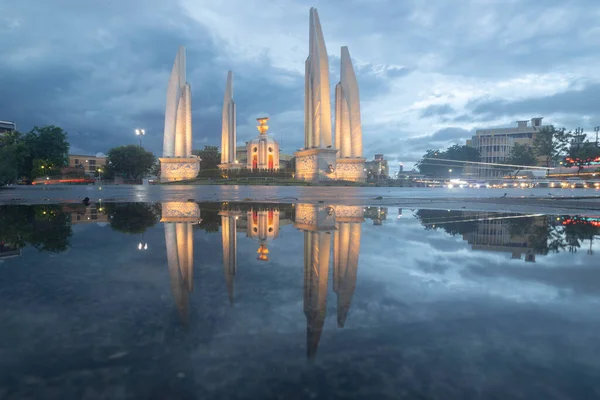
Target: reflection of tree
(45, 227)
(452, 222)
(210, 222)
(576, 231)
(132, 218)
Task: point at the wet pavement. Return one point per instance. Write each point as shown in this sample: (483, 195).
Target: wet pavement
(251, 300)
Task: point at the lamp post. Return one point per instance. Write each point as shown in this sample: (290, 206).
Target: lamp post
(597, 129)
(450, 173)
(140, 133)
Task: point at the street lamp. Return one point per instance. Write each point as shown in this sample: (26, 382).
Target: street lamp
(140, 133)
(450, 173)
(142, 246)
(597, 129)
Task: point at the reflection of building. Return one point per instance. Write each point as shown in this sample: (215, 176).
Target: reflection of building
(377, 169)
(260, 224)
(229, 241)
(346, 247)
(262, 152)
(494, 145)
(178, 218)
(494, 235)
(82, 214)
(89, 164)
(263, 225)
(376, 214)
(318, 223)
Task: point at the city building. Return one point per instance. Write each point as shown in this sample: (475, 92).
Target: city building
(241, 154)
(494, 145)
(377, 169)
(90, 164)
(7, 126)
(262, 152)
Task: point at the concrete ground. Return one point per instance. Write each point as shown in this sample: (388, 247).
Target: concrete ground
(546, 200)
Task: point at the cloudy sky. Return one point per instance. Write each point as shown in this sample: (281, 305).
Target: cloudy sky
(429, 72)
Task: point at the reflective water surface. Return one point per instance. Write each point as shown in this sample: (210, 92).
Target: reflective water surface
(236, 300)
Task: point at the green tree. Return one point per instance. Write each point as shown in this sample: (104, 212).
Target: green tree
(47, 151)
(8, 169)
(551, 143)
(131, 161)
(428, 165)
(583, 154)
(211, 157)
(435, 162)
(521, 155)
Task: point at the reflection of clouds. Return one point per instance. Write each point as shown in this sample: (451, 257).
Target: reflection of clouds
(434, 266)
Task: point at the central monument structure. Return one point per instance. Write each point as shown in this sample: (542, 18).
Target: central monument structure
(228, 128)
(319, 160)
(177, 162)
(348, 130)
(316, 161)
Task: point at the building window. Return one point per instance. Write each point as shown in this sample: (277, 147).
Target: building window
(255, 149)
(270, 149)
(76, 161)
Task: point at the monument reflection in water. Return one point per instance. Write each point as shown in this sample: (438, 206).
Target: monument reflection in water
(178, 218)
(320, 224)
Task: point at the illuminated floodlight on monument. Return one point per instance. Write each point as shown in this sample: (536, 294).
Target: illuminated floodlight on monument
(177, 162)
(317, 160)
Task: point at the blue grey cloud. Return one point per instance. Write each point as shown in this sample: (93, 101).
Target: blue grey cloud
(100, 72)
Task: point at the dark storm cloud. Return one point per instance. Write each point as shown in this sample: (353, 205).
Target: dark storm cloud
(437, 110)
(582, 102)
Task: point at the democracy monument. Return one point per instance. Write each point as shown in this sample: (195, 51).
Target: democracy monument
(177, 162)
(321, 159)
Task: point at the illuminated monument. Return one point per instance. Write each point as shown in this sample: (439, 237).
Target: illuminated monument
(348, 130)
(263, 151)
(316, 161)
(177, 162)
(178, 218)
(228, 128)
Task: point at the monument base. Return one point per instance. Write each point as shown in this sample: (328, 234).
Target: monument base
(227, 166)
(179, 168)
(180, 211)
(351, 169)
(315, 165)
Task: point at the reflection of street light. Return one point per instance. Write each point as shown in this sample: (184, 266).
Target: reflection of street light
(140, 133)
